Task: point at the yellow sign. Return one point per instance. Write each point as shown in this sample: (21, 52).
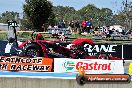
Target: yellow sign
(130, 69)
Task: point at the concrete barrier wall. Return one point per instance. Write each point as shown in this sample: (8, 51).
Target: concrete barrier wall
(52, 83)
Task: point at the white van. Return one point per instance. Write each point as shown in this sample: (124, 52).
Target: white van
(119, 28)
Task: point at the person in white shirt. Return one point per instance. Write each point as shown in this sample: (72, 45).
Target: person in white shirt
(62, 37)
(53, 33)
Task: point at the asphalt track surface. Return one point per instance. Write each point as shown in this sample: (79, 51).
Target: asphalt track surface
(55, 83)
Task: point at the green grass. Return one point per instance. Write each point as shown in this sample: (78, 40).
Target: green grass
(3, 36)
(82, 36)
(25, 36)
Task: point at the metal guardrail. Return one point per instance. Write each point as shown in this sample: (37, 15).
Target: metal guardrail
(119, 37)
(25, 32)
(64, 30)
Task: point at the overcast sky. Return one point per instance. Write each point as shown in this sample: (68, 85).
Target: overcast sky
(16, 5)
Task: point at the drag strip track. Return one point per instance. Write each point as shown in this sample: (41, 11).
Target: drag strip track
(52, 83)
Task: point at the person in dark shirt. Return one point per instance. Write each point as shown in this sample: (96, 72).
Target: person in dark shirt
(72, 25)
(89, 26)
(77, 26)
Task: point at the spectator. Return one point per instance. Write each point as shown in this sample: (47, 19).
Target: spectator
(89, 26)
(59, 24)
(123, 32)
(72, 26)
(50, 26)
(55, 26)
(84, 26)
(62, 37)
(96, 31)
(108, 35)
(63, 24)
(111, 31)
(53, 33)
(56, 33)
(120, 30)
(77, 26)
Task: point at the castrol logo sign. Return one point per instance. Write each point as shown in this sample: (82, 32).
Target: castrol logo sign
(95, 66)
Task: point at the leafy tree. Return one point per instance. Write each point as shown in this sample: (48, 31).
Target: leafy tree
(106, 15)
(51, 19)
(88, 12)
(25, 23)
(96, 15)
(9, 16)
(119, 19)
(123, 17)
(65, 13)
(38, 12)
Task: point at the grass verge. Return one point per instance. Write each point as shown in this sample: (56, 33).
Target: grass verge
(27, 35)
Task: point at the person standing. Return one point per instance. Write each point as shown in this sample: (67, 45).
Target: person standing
(83, 26)
(77, 27)
(72, 26)
(89, 26)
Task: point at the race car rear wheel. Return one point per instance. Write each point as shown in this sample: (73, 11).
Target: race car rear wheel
(33, 50)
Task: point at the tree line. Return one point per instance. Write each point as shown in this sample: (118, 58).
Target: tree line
(37, 14)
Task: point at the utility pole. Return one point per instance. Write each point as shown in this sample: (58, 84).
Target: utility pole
(126, 12)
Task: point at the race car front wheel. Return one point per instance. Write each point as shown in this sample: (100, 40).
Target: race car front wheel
(33, 50)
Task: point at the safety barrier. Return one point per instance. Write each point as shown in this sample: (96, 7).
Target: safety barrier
(41, 72)
(63, 68)
(119, 51)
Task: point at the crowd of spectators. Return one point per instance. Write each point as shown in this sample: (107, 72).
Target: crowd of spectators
(75, 26)
(80, 27)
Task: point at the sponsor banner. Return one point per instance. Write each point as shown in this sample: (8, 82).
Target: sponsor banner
(90, 66)
(26, 64)
(120, 51)
(127, 54)
(106, 78)
(114, 50)
(30, 67)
